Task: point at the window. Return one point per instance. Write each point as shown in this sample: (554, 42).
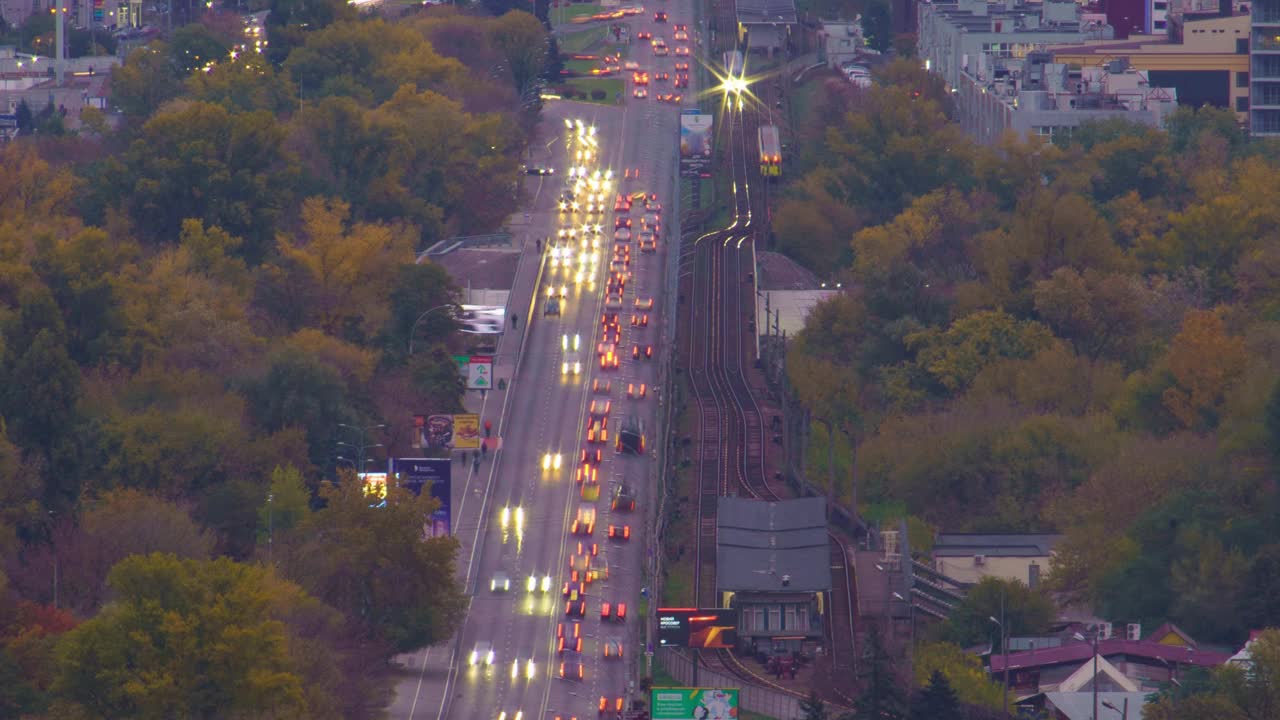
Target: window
(791, 618)
(1242, 46)
(1242, 79)
(802, 619)
(775, 618)
(1242, 104)
(1160, 6)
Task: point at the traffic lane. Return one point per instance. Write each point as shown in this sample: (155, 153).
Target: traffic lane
(425, 687)
(525, 636)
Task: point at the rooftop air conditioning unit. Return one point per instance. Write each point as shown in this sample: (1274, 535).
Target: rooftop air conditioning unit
(1104, 631)
(1133, 631)
(979, 559)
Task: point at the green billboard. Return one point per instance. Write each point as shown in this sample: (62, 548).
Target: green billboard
(693, 704)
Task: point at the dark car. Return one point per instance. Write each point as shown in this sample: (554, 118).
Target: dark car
(536, 170)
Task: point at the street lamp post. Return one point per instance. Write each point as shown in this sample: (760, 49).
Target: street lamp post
(1096, 632)
(1004, 650)
(360, 446)
(413, 330)
(271, 524)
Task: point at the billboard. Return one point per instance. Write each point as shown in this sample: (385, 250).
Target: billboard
(693, 704)
(695, 628)
(432, 432)
(466, 432)
(695, 144)
(375, 488)
(433, 475)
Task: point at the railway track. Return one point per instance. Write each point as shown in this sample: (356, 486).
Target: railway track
(721, 322)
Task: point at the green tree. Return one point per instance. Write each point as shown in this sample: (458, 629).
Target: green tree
(966, 679)
(194, 46)
(954, 357)
(419, 288)
(370, 560)
(522, 40)
(1026, 612)
(937, 701)
(245, 83)
(289, 22)
(882, 697)
(186, 638)
(42, 385)
(148, 78)
(299, 390)
(200, 161)
(287, 505)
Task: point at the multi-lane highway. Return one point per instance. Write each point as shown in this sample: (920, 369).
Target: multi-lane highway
(514, 518)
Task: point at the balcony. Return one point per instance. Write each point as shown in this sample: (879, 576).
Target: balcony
(1265, 16)
(1267, 44)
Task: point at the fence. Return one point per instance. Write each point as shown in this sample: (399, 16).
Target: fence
(756, 699)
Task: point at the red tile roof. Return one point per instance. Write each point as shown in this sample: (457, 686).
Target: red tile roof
(1080, 651)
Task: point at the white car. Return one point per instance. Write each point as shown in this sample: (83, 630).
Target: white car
(500, 582)
(482, 653)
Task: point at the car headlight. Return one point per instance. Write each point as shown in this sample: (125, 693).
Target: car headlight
(474, 657)
(530, 668)
(556, 461)
(531, 584)
(546, 583)
(488, 660)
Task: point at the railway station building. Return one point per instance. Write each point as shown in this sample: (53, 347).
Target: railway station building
(773, 565)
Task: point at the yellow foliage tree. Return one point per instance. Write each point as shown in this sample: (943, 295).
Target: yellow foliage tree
(1203, 361)
(347, 267)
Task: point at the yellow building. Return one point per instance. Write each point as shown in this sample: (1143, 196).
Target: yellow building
(1207, 60)
(969, 557)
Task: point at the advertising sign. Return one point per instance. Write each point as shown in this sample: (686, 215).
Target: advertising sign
(433, 475)
(480, 372)
(432, 431)
(695, 144)
(466, 432)
(694, 628)
(375, 488)
(693, 704)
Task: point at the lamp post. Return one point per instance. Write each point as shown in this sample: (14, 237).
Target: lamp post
(271, 524)
(413, 330)
(360, 446)
(1078, 636)
(1004, 650)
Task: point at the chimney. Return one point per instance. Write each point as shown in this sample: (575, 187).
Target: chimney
(786, 581)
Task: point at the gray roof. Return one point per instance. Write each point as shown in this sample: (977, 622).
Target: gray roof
(766, 11)
(1079, 705)
(757, 543)
(995, 544)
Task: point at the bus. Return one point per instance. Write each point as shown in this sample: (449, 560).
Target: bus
(770, 151)
(733, 64)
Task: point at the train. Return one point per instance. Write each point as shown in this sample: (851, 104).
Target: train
(770, 151)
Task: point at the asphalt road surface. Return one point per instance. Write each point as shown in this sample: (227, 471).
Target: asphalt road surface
(546, 412)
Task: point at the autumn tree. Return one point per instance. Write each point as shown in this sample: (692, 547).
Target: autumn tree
(235, 658)
(198, 160)
(336, 269)
(148, 78)
(1203, 360)
(245, 83)
(370, 561)
(522, 40)
(290, 21)
(813, 224)
(952, 358)
(965, 678)
(286, 506)
(1102, 315)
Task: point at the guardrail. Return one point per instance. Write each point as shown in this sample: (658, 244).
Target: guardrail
(448, 245)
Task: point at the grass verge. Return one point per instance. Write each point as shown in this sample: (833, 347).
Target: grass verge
(574, 10)
(611, 86)
(581, 66)
(580, 41)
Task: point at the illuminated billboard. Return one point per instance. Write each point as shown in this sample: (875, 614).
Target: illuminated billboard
(695, 628)
(695, 144)
(693, 704)
(375, 488)
(433, 475)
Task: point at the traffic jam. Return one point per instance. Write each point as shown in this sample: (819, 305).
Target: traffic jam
(607, 225)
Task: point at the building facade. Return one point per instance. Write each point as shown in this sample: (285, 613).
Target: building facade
(1205, 59)
(954, 35)
(840, 42)
(773, 564)
(969, 557)
(1264, 75)
(1037, 97)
